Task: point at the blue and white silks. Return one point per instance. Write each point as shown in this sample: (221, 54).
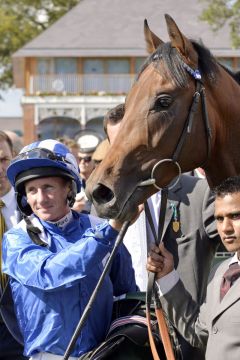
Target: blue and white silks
(52, 285)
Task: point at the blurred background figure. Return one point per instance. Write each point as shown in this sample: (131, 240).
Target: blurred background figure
(90, 154)
(86, 163)
(10, 349)
(86, 166)
(100, 152)
(71, 144)
(16, 140)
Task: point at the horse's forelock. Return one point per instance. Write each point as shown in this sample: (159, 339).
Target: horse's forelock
(168, 59)
(173, 63)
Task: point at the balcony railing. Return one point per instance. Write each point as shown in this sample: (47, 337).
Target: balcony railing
(90, 84)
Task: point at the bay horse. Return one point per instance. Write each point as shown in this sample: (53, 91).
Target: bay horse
(181, 113)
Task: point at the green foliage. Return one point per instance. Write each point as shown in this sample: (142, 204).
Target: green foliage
(219, 12)
(20, 22)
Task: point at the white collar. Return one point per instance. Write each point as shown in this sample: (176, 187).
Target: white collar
(63, 222)
(8, 197)
(234, 259)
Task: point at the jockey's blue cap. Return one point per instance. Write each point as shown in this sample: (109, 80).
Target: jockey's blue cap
(51, 157)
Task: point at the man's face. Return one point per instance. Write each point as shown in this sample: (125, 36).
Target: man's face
(75, 150)
(86, 164)
(5, 158)
(227, 215)
(48, 197)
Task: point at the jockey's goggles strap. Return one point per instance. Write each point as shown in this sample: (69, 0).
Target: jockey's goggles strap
(40, 153)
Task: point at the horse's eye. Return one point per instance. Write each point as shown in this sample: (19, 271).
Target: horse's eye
(162, 102)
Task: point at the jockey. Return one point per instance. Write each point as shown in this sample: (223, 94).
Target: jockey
(52, 281)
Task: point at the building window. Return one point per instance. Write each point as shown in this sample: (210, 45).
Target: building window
(45, 66)
(118, 66)
(138, 63)
(238, 64)
(226, 62)
(65, 65)
(57, 66)
(108, 66)
(58, 126)
(93, 66)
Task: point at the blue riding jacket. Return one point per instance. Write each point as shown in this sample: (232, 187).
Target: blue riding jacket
(52, 285)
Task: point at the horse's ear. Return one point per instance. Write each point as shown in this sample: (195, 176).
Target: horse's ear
(152, 40)
(180, 42)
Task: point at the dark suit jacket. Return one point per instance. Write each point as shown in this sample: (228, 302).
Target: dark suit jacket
(193, 245)
(7, 307)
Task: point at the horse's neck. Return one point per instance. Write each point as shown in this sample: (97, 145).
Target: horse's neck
(225, 158)
(219, 170)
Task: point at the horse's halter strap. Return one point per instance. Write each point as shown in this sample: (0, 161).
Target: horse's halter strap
(187, 128)
(151, 289)
(199, 94)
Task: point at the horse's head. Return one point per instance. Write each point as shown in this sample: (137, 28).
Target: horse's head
(162, 120)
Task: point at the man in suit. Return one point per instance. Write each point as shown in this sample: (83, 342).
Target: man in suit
(10, 349)
(215, 325)
(189, 232)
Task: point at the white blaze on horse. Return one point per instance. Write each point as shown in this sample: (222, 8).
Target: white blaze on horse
(181, 113)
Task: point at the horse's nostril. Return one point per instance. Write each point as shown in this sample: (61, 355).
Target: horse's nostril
(102, 194)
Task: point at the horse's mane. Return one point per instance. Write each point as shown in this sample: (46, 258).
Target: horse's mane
(234, 75)
(174, 68)
(237, 77)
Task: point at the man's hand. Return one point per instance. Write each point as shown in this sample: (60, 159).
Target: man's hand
(160, 261)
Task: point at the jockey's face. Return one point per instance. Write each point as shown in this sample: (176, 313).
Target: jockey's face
(48, 197)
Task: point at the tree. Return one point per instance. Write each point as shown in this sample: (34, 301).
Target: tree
(219, 12)
(20, 22)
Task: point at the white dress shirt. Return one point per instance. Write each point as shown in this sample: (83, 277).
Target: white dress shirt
(9, 211)
(154, 203)
(138, 239)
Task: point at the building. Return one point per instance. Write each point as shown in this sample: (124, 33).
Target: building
(85, 63)
(11, 110)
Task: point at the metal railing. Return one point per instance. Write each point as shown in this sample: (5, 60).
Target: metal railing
(89, 84)
(221, 256)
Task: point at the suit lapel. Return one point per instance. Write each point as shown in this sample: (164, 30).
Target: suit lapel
(173, 200)
(230, 298)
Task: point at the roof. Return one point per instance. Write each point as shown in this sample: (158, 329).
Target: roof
(115, 28)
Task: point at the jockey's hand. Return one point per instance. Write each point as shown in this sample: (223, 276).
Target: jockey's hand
(140, 208)
(160, 261)
(116, 224)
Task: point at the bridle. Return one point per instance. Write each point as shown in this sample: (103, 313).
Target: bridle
(151, 288)
(187, 128)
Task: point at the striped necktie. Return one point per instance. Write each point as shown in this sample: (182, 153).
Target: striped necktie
(230, 276)
(3, 228)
